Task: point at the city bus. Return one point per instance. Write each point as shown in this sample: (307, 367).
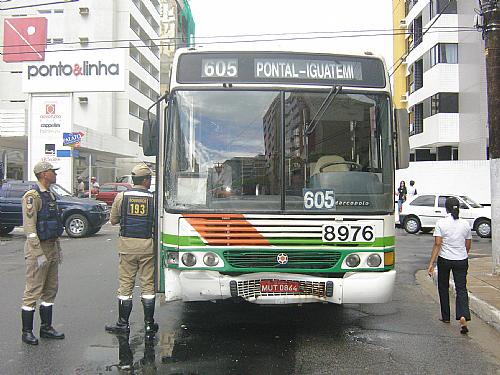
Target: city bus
(275, 178)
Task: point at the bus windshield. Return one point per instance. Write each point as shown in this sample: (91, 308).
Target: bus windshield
(236, 151)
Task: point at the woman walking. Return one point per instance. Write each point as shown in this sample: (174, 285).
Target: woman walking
(401, 194)
(452, 242)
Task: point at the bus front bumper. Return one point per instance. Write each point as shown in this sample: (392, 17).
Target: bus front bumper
(199, 285)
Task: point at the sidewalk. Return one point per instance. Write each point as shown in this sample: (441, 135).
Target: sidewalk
(484, 290)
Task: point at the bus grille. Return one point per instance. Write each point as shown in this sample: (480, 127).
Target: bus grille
(251, 288)
(308, 260)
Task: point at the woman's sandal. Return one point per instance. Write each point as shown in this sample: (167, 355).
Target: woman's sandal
(463, 326)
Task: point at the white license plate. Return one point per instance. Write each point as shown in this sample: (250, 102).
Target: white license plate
(348, 232)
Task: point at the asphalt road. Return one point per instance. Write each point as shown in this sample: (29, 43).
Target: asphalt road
(401, 337)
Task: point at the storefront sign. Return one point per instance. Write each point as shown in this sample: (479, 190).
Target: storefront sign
(76, 71)
(50, 118)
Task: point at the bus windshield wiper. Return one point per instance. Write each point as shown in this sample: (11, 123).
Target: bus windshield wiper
(335, 90)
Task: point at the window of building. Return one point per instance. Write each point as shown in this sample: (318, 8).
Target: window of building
(142, 87)
(143, 62)
(410, 4)
(417, 31)
(444, 53)
(138, 111)
(415, 80)
(419, 74)
(143, 35)
(417, 115)
(444, 102)
(442, 6)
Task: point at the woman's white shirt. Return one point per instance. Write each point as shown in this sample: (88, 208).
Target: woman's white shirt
(454, 234)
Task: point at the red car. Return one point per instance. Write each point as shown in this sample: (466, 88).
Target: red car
(107, 192)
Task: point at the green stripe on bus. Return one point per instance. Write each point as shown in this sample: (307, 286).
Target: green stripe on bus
(173, 240)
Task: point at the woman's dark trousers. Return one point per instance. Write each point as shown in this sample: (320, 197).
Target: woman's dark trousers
(459, 269)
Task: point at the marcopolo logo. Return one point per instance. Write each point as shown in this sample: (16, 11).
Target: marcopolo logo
(85, 69)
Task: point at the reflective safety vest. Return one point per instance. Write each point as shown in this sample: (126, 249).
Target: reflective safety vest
(48, 222)
(137, 214)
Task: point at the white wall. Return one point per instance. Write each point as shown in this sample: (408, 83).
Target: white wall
(465, 177)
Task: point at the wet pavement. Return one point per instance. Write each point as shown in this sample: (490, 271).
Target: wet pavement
(400, 337)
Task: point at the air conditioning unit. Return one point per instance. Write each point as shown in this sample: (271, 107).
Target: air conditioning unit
(404, 98)
(84, 11)
(402, 22)
(83, 100)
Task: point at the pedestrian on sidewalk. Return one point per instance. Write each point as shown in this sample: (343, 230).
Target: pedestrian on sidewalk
(134, 211)
(412, 190)
(42, 253)
(401, 194)
(452, 242)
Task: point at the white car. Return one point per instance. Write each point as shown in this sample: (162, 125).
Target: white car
(423, 211)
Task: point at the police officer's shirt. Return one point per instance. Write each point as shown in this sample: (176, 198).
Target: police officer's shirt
(32, 203)
(129, 245)
(454, 233)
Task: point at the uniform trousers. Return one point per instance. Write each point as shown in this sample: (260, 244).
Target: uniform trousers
(459, 269)
(41, 281)
(131, 265)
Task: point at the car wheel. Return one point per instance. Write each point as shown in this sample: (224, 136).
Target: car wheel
(77, 226)
(6, 229)
(483, 228)
(412, 225)
(426, 230)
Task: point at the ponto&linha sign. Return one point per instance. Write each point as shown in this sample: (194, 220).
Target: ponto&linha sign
(100, 70)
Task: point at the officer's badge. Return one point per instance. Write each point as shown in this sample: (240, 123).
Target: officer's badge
(29, 206)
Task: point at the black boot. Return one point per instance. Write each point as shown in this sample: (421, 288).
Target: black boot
(125, 355)
(148, 361)
(28, 337)
(150, 327)
(46, 329)
(124, 310)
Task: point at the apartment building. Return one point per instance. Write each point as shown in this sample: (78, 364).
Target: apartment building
(439, 77)
(108, 115)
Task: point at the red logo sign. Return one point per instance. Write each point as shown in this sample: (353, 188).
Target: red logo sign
(24, 39)
(50, 109)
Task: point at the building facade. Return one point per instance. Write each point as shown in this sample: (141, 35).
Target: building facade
(439, 77)
(110, 121)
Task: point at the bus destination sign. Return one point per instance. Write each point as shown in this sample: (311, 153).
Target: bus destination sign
(305, 69)
(284, 68)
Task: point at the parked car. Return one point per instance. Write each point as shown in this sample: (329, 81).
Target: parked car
(80, 216)
(108, 191)
(128, 179)
(423, 211)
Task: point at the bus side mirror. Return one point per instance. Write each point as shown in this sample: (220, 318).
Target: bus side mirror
(402, 139)
(150, 137)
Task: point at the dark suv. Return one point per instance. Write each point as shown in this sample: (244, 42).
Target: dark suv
(80, 216)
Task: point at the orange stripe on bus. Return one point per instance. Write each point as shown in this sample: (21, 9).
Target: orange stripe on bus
(230, 229)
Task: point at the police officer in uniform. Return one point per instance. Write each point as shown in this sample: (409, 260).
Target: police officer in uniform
(42, 252)
(134, 211)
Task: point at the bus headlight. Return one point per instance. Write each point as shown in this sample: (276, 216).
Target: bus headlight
(211, 259)
(352, 260)
(188, 259)
(374, 260)
(172, 258)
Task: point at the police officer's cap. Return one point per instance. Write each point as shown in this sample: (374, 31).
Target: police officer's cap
(43, 166)
(141, 170)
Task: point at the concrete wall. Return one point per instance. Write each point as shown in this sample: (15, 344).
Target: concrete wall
(465, 177)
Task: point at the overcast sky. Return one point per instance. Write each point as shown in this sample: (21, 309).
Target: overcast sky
(322, 19)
